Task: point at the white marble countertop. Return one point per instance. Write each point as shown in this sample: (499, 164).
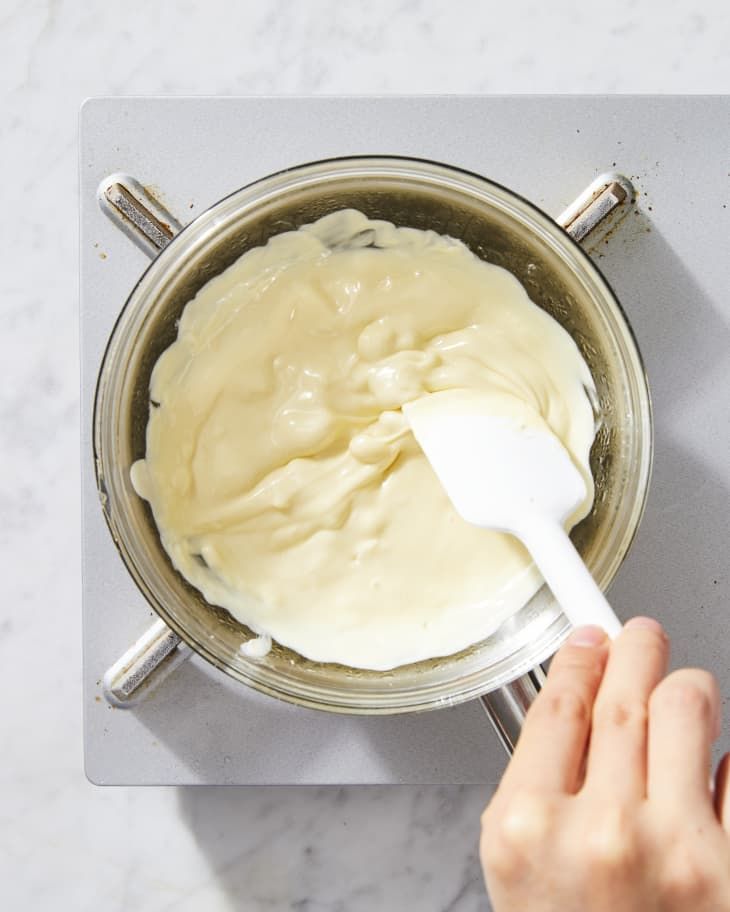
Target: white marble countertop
(66, 845)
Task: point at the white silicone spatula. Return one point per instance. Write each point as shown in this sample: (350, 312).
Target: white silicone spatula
(504, 472)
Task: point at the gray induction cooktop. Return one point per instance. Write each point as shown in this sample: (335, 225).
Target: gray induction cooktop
(668, 262)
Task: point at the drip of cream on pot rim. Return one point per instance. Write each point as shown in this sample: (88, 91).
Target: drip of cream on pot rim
(284, 481)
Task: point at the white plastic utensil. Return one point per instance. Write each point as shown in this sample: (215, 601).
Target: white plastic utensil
(502, 472)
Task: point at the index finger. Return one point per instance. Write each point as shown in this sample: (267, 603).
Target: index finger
(550, 751)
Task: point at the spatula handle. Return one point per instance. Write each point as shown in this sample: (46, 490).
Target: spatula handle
(567, 576)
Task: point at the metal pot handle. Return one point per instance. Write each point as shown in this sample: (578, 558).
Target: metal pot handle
(507, 706)
(147, 222)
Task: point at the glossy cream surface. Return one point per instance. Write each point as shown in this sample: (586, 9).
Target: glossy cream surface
(283, 478)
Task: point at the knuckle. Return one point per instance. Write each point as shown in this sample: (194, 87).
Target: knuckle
(514, 831)
(612, 843)
(526, 819)
(566, 705)
(499, 858)
(685, 876)
(621, 712)
(692, 691)
(575, 661)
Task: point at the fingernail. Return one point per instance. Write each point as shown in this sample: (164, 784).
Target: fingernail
(644, 623)
(587, 636)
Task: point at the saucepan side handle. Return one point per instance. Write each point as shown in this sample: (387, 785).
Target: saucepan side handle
(508, 706)
(136, 212)
(155, 655)
(610, 194)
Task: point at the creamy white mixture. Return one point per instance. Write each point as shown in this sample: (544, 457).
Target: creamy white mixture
(284, 481)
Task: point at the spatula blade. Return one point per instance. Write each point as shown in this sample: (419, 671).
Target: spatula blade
(497, 470)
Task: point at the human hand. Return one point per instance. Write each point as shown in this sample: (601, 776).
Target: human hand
(607, 803)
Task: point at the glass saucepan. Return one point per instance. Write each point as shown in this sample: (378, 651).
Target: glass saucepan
(498, 226)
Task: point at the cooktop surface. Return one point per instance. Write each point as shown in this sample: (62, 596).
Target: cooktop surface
(667, 261)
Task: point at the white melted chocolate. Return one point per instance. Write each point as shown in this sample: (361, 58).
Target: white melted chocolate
(284, 481)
